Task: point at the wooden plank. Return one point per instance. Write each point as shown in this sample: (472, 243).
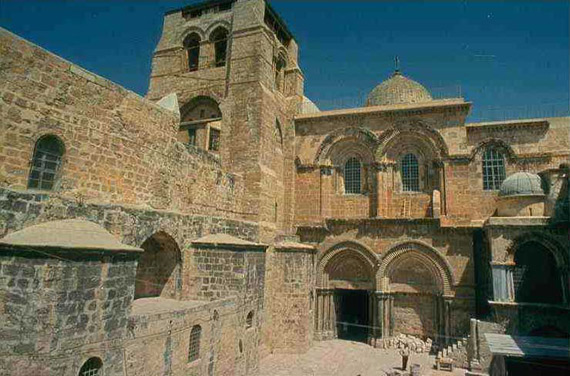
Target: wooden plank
(536, 347)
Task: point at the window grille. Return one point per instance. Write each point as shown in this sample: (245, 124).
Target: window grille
(45, 163)
(249, 320)
(194, 346)
(493, 169)
(410, 174)
(214, 140)
(192, 46)
(352, 172)
(92, 367)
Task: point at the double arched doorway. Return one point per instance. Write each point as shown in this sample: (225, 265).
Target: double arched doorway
(367, 297)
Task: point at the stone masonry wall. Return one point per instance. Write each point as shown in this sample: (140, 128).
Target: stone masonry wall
(59, 308)
(290, 301)
(119, 148)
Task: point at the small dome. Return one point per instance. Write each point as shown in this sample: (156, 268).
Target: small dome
(522, 184)
(308, 107)
(398, 89)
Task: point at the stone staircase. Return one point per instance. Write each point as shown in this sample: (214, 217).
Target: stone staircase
(456, 350)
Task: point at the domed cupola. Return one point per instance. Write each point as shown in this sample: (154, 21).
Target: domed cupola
(398, 89)
(521, 195)
(522, 184)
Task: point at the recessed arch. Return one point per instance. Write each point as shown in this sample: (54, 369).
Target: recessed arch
(550, 243)
(495, 143)
(199, 108)
(366, 140)
(362, 261)
(189, 30)
(428, 256)
(159, 270)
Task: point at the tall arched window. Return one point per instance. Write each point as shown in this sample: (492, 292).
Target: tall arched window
(249, 320)
(192, 47)
(493, 169)
(278, 134)
(46, 163)
(279, 73)
(535, 276)
(92, 367)
(410, 173)
(352, 176)
(194, 345)
(220, 39)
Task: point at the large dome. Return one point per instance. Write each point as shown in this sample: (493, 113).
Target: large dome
(522, 184)
(398, 89)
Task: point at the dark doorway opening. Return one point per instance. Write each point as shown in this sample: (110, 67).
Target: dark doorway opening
(352, 314)
(537, 367)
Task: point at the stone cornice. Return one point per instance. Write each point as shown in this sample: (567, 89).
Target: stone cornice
(416, 108)
(508, 124)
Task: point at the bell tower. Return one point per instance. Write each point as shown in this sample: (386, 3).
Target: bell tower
(233, 67)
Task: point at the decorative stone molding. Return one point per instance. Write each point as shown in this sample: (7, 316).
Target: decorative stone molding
(495, 143)
(430, 256)
(360, 135)
(346, 250)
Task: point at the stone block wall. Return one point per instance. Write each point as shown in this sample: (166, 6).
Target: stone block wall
(290, 301)
(119, 148)
(158, 339)
(61, 307)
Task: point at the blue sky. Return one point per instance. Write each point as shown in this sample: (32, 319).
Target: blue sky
(508, 55)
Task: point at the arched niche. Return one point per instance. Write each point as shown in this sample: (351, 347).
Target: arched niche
(347, 265)
(159, 270)
(430, 261)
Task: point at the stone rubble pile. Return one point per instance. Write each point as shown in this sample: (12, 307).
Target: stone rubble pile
(415, 344)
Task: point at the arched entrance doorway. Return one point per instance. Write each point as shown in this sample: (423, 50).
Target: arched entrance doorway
(345, 293)
(159, 271)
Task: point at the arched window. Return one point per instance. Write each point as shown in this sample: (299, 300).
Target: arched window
(535, 276)
(220, 39)
(249, 320)
(192, 47)
(493, 169)
(92, 367)
(279, 73)
(194, 345)
(352, 172)
(410, 173)
(278, 134)
(46, 163)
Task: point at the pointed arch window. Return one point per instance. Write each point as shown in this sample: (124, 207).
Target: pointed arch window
(192, 47)
(46, 163)
(220, 40)
(493, 169)
(352, 176)
(410, 173)
(194, 345)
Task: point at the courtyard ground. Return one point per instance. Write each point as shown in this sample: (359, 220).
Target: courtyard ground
(345, 358)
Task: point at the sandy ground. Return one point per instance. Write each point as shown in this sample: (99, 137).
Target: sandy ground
(345, 358)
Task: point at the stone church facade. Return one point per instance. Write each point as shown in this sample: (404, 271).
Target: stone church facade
(224, 217)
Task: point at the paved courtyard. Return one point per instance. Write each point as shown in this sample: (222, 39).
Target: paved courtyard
(344, 358)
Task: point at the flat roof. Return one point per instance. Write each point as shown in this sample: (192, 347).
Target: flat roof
(532, 347)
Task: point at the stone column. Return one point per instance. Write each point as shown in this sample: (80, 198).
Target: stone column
(326, 187)
(447, 318)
